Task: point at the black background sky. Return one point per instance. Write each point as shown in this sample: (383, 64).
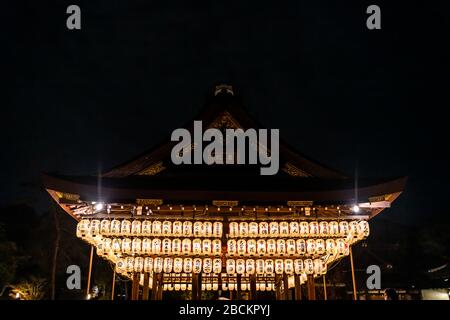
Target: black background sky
(76, 102)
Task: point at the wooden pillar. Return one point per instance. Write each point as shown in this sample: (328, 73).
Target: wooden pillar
(113, 287)
(298, 287)
(154, 286)
(325, 296)
(194, 295)
(253, 291)
(311, 288)
(88, 288)
(277, 287)
(145, 287)
(199, 287)
(353, 274)
(160, 286)
(135, 286)
(238, 289)
(285, 287)
(231, 294)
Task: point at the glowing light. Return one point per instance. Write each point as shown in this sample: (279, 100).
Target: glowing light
(355, 208)
(99, 206)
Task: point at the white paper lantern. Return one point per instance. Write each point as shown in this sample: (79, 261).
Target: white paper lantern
(146, 228)
(216, 247)
(136, 246)
(354, 228)
(231, 266)
(260, 266)
(304, 229)
(208, 286)
(298, 266)
(156, 228)
(148, 264)
(333, 227)
(217, 266)
(183, 287)
(288, 266)
(231, 247)
(177, 265)
(301, 246)
(167, 228)
(330, 247)
(177, 228)
(207, 265)
(83, 228)
(308, 265)
(241, 247)
(253, 229)
(234, 229)
(166, 246)
(342, 247)
(125, 228)
(138, 264)
(207, 229)
(291, 247)
(251, 247)
(311, 246)
(197, 246)
(207, 248)
(176, 246)
(284, 229)
(94, 228)
(250, 266)
(117, 245)
(269, 266)
(187, 229)
(281, 247)
(217, 229)
(364, 228)
(105, 227)
(107, 245)
(215, 286)
(294, 229)
(198, 229)
(261, 247)
(279, 266)
(197, 265)
(187, 265)
(274, 229)
(318, 266)
(186, 246)
(243, 229)
(323, 229)
(115, 227)
(343, 228)
(320, 246)
(271, 246)
(136, 228)
(121, 265)
(231, 286)
(156, 246)
(263, 229)
(126, 245)
(240, 266)
(314, 228)
(129, 264)
(177, 287)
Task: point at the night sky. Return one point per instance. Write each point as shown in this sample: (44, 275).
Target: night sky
(78, 102)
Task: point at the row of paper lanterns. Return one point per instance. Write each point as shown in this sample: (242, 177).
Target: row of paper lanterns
(214, 265)
(214, 229)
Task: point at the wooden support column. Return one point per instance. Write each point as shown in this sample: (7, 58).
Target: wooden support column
(355, 297)
(135, 287)
(88, 288)
(238, 284)
(194, 295)
(154, 286)
(199, 287)
(253, 291)
(285, 287)
(113, 287)
(311, 288)
(277, 287)
(298, 287)
(145, 287)
(160, 286)
(325, 296)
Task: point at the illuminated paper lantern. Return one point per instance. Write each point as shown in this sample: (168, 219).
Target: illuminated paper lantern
(183, 286)
(269, 266)
(281, 247)
(291, 246)
(343, 228)
(166, 246)
(167, 228)
(105, 227)
(289, 266)
(107, 245)
(136, 228)
(121, 266)
(197, 246)
(231, 247)
(308, 265)
(318, 266)
(231, 266)
(117, 245)
(156, 228)
(208, 286)
(314, 228)
(303, 278)
(304, 229)
(284, 229)
(279, 266)
(234, 229)
(94, 228)
(186, 246)
(217, 229)
(260, 266)
(330, 246)
(263, 229)
(129, 264)
(243, 229)
(364, 228)
(231, 286)
(271, 246)
(83, 228)
(298, 266)
(125, 228)
(311, 246)
(156, 246)
(320, 246)
(177, 265)
(341, 247)
(187, 265)
(241, 247)
(158, 264)
(240, 266)
(148, 264)
(323, 229)
(251, 247)
(216, 247)
(187, 229)
(215, 286)
(207, 229)
(333, 228)
(261, 247)
(301, 246)
(168, 265)
(177, 287)
(197, 265)
(274, 230)
(126, 246)
(176, 246)
(146, 228)
(177, 228)
(198, 229)
(253, 229)
(250, 266)
(217, 266)
(136, 246)
(138, 264)
(291, 282)
(207, 248)
(100, 248)
(207, 265)
(354, 228)
(294, 229)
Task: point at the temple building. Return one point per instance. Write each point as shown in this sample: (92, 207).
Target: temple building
(223, 227)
